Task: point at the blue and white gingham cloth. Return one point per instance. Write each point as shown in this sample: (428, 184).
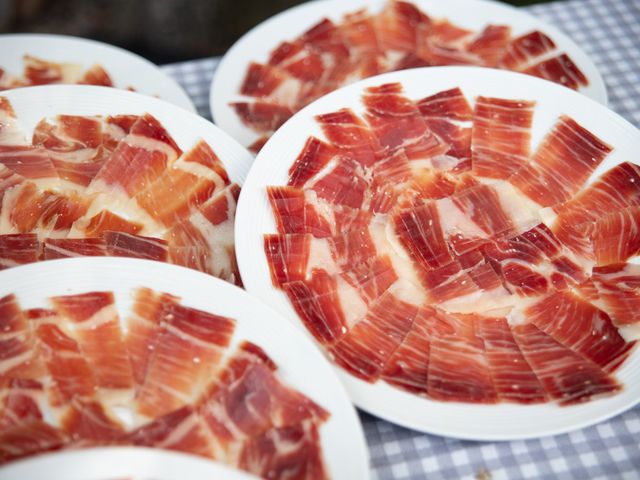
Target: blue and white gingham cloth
(609, 32)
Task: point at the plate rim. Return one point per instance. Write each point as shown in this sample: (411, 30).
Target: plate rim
(258, 286)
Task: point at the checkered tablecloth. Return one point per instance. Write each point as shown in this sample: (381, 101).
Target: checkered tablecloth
(609, 31)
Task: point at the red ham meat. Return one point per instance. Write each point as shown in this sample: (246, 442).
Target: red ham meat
(18, 249)
(285, 452)
(10, 131)
(346, 131)
(187, 345)
(525, 49)
(368, 345)
(295, 211)
(96, 75)
(262, 116)
(73, 247)
(29, 438)
(448, 115)
(21, 402)
(561, 165)
(513, 378)
(32, 162)
(501, 136)
(490, 44)
(120, 244)
(97, 330)
(559, 69)
(566, 376)
(401, 26)
(397, 122)
(616, 237)
(18, 357)
(89, 423)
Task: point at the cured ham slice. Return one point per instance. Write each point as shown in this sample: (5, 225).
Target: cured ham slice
(447, 114)
(288, 452)
(616, 237)
(512, 376)
(120, 244)
(295, 211)
(33, 163)
(188, 344)
(139, 158)
(96, 75)
(73, 247)
(565, 375)
(97, 330)
(69, 369)
(269, 82)
(313, 157)
(191, 180)
(18, 249)
(360, 34)
(402, 26)
(501, 136)
(408, 366)
(21, 402)
(29, 438)
(17, 349)
(342, 182)
(346, 131)
(365, 349)
(563, 162)
(560, 69)
(397, 122)
(42, 72)
(617, 189)
(459, 369)
(106, 221)
(205, 240)
(523, 50)
(616, 290)
(490, 44)
(581, 327)
(182, 430)
(143, 327)
(262, 116)
(87, 422)
(78, 145)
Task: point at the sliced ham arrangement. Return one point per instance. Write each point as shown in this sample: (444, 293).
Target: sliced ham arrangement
(425, 243)
(117, 186)
(44, 72)
(330, 55)
(77, 375)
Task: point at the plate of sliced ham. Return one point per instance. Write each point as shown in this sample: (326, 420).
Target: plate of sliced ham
(107, 463)
(307, 51)
(96, 171)
(129, 352)
(38, 59)
(461, 243)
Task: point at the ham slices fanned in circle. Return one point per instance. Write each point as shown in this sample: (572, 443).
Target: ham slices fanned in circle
(426, 244)
(115, 185)
(362, 44)
(79, 374)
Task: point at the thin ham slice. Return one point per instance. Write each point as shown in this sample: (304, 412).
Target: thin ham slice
(97, 330)
(10, 131)
(501, 136)
(19, 249)
(616, 237)
(73, 247)
(490, 44)
(566, 376)
(18, 358)
(561, 165)
(560, 69)
(525, 49)
(29, 438)
(262, 116)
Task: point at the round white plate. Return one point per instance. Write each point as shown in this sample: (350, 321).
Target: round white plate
(126, 69)
(31, 104)
(478, 422)
(257, 44)
(110, 463)
(300, 363)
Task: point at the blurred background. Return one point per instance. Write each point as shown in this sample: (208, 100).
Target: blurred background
(164, 31)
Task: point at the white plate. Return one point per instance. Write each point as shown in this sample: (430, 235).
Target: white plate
(109, 463)
(257, 44)
(126, 69)
(31, 104)
(479, 422)
(300, 364)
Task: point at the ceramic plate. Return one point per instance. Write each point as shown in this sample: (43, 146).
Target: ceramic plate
(133, 463)
(480, 422)
(257, 44)
(31, 104)
(126, 69)
(300, 363)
